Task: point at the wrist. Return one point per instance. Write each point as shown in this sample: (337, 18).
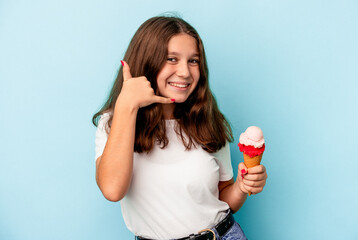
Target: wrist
(125, 105)
(239, 192)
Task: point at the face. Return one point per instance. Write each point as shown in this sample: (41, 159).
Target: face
(180, 74)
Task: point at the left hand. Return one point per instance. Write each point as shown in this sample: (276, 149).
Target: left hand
(251, 179)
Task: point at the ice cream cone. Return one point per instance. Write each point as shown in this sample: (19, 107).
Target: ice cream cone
(252, 145)
(252, 162)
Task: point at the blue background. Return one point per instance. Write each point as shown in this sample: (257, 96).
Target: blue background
(288, 66)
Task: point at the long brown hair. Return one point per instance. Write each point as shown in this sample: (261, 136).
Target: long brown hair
(198, 117)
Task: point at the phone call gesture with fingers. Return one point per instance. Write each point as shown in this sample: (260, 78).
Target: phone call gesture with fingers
(138, 91)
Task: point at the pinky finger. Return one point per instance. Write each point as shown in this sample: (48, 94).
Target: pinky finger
(254, 190)
(159, 99)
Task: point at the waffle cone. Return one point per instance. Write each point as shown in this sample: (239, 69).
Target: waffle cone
(252, 161)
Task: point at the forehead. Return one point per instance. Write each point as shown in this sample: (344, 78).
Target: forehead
(183, 43)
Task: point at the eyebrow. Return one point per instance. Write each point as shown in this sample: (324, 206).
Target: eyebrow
(175, 53)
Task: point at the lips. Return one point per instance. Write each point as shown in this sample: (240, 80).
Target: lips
(179, 85)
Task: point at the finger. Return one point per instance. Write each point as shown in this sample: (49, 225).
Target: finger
(254, 183)
(242, 169)
(254, 190)
(159, 99)
(256, 177)
(126, 71)
(243, 188)
(257, 169)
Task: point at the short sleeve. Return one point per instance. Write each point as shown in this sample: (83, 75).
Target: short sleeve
(101, 135)
(224, 161)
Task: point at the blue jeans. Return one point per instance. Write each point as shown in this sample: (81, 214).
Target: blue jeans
(234, 233)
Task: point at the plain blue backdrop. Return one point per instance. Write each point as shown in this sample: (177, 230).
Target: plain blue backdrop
(288, 66)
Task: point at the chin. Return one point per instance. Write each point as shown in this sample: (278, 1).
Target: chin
(180, 100)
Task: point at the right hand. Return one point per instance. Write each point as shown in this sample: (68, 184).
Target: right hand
(252, 179)
(137, 91)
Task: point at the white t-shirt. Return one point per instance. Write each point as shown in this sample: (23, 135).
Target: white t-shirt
(174, 192)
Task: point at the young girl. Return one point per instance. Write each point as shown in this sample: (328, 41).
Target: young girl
(162, 145)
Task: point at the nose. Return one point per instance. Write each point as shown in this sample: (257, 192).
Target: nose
(183, 70)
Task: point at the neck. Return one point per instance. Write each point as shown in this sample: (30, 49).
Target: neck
(168, 110)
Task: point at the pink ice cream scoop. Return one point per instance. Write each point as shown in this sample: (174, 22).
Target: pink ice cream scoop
(253, 136)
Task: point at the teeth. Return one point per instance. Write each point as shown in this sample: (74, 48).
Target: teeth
(179, 85)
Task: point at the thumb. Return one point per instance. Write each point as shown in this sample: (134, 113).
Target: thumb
(126, 71)
(242, 169)
(159, 99)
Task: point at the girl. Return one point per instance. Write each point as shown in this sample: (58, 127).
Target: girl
(162, 145)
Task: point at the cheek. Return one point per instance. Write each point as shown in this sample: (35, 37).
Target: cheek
(196, 75)
(163, 76)
(161, 79)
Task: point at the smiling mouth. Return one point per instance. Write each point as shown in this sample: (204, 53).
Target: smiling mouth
(179, 85)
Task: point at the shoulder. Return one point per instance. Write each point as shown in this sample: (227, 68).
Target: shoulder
(106, 115)
(102, 126)
(222, 152)
(103, 119)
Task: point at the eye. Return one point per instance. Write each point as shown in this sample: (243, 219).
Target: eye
(194, 61)
(171, 59)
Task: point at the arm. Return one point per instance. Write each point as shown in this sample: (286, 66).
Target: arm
(234, 193)
(114, 167)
